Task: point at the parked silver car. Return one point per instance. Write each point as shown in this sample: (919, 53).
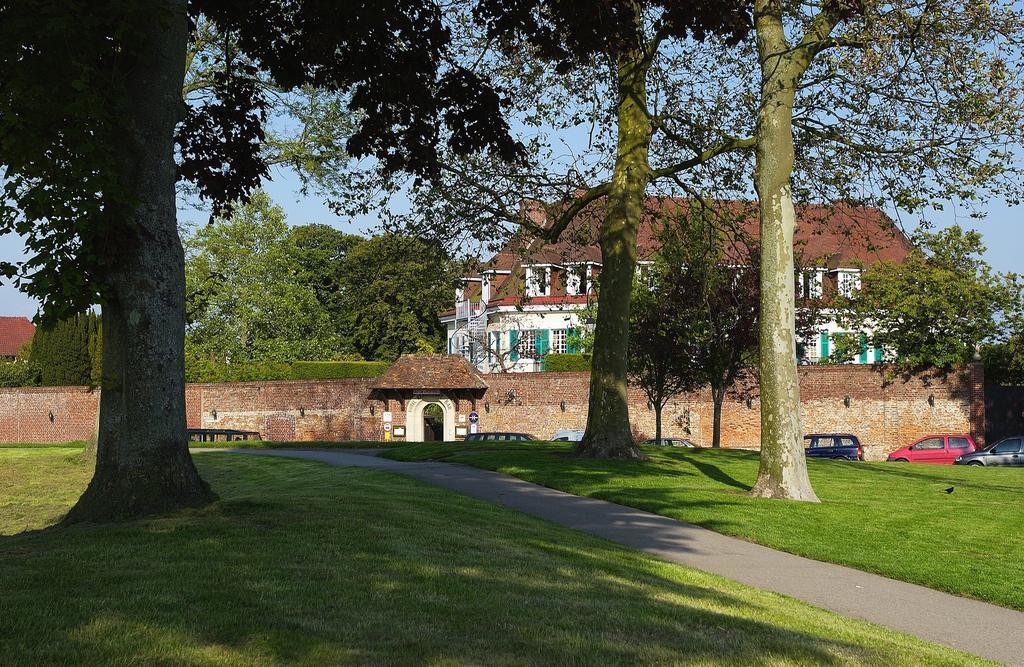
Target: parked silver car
(1006, 452)
(669, 442)
(567, 435)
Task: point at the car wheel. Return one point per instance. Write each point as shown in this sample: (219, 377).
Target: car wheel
(901, 460)
(976, 463)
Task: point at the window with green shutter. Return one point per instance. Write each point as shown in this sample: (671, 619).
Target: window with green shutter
(879, 352)
(570, 341)
(513, 340)
(863, 348)
(824, 345)
(541, 336)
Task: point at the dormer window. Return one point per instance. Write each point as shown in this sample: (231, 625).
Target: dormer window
(538, 280)
(847, 282)
(645, 272)
(485, 287)
(809, 284)
(577, 279)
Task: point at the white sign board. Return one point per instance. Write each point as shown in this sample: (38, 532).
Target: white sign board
(386, 416)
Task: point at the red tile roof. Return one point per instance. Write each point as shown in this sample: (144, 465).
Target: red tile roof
(829, 236)
(430, 371)
(14, 332)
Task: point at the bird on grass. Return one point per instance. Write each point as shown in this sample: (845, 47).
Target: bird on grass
(949, 490)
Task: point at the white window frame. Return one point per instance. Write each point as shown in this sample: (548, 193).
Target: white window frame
(811, 283)
(536, 273)
(559, 341)
(644, 272)
(847, 282)
(576, 278)
(485, 287)
(526, 344)
(811, 350)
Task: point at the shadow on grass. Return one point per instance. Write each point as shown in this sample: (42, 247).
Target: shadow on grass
(306, 563)
(719, 475)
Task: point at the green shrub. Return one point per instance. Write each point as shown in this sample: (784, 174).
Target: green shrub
(564, 363)
(206, 371)
(338, 370)
(18, 373)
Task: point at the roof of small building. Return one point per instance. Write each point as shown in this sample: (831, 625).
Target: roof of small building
(430, 371)
(15, 331)
(828, 236)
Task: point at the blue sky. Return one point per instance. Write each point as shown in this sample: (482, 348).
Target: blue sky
(1002, 231)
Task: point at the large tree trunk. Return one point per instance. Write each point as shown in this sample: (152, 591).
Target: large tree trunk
(142, 462)
(783, 470)
(717, 398)
(608, 433)
(659, 407)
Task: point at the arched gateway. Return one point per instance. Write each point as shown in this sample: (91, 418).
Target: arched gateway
(415, 382)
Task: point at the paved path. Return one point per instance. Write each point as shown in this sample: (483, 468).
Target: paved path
(976, 627)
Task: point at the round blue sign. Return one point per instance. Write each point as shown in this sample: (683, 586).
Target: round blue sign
(473, 417)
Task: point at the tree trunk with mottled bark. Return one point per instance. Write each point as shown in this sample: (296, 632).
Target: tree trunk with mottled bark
(783, 469)
(608, 433)
(143, 465)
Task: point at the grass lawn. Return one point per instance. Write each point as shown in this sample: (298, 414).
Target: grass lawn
(304, 563)
(894, 519)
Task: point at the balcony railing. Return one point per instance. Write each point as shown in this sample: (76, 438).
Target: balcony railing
(466, 309)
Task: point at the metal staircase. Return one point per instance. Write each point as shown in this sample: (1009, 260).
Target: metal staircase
(475, 329)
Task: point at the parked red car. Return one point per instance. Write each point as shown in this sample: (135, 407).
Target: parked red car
(935, 449)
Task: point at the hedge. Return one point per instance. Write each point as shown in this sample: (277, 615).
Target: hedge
(563, 363)
(338, 370)
(298, 370)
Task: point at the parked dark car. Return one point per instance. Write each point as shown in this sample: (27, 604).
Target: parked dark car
(669, 442)
(497, 436)
(841, 446)
(1006, 452)
(220, 435)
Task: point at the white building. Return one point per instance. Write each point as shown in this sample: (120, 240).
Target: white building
(527, 301)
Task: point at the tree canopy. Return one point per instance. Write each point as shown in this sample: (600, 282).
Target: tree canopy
(246, 301)
(261, 291)
(395, 287)
(939, 306)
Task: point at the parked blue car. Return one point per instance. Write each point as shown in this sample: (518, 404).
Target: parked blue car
(841, 446)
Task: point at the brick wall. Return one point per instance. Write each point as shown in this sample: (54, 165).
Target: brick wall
(886, 414)
(47, 414)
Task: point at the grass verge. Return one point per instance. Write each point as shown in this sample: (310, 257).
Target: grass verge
(303, 563)
(893, 519)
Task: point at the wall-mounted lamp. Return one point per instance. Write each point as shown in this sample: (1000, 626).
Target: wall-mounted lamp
(213, 413)
(302, 411)
(562, 405)
(487, 407)
(650, 406)
(51, 416)
(931, 400)
(846, 401)
(750, 403)
(373, 408)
